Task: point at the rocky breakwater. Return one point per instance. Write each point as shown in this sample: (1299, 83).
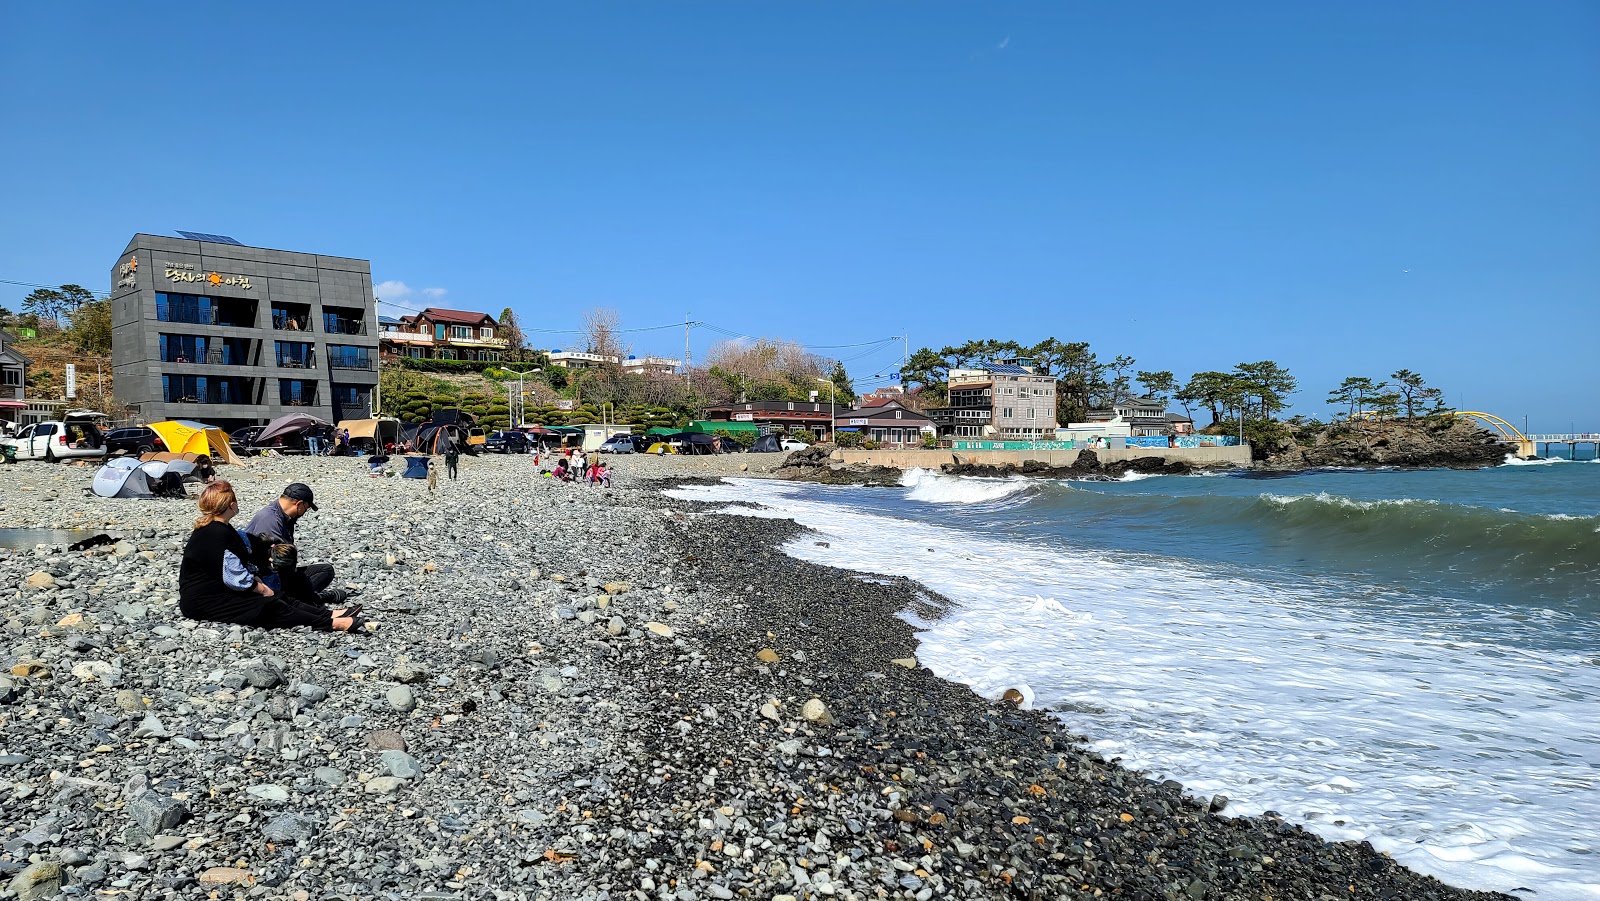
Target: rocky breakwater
(1432, 442)
(814, 464)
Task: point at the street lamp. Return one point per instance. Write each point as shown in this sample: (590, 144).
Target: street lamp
(521, 404)
(832, 424)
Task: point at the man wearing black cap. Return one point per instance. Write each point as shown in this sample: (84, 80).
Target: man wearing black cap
(276, 521)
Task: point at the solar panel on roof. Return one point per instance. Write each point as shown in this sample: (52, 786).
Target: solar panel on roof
(209, 238)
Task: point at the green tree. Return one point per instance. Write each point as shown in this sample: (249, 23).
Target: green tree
(91, 327)
(1158, 385)
(1117, 388)
(1268, 383)
(843, 390)
(1415, 393)
(511, 332)
(925, 369)
(1353, 393)
(44, 303)
(1212, 390)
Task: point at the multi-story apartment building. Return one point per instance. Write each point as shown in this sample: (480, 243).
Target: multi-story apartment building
(439, 334)
(1145, 416)
(572, 359)
(205, 328)
(999, 400)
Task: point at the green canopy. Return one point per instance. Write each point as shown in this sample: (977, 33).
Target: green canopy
(658, 430)
(707, 426)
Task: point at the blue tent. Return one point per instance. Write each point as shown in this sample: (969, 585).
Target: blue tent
(416, 468)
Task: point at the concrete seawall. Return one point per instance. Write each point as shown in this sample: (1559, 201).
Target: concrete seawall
(933, 459)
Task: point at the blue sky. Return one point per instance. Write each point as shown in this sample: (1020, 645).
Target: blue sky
(1344, 188)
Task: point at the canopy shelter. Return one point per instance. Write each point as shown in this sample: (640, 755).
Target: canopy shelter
(287, 425)
(127, 477)
(733, 428)
(381, 431)
(766, 444)
(660, 430)
(185, 436)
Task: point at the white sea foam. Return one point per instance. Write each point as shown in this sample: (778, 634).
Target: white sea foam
(1473, 760)
(935, 488)
(1514, 460)
(1323, 497)
(1131, 476)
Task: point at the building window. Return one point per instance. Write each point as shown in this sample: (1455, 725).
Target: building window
(13, 377)
(1005, 412)
(182, 349)
(185, 308)
(486, 333)
(1030, 413)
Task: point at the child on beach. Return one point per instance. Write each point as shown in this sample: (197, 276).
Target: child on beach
(433, 476)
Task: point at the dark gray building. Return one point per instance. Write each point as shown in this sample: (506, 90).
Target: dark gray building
(205, 328)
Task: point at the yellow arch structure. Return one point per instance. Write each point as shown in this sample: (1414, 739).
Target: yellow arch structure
(1525, 448)
(1507, 431)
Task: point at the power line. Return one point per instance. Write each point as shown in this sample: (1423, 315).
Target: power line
(7, 281)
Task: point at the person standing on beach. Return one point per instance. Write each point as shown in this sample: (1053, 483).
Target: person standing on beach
(452, 457)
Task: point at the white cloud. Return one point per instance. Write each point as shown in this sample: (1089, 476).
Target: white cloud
(435, 292)
(392, 290)
(1003, 43)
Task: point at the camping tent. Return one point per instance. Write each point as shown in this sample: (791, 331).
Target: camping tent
(185, 436)
(433, 439)
(766, 444)
(416, 468)
(661, 447)
(188, 466)
(377, 432)
(695, 442)
(127, 477)
(288, 424)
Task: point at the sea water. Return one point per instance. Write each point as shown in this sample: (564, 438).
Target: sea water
(1406, 657)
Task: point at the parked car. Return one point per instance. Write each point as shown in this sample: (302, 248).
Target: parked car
(134, 440)
(55, 440)
(618, 444)
(790, 444)
(243, 440)
(508, 442)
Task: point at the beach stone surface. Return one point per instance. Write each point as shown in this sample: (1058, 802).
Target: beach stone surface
(488, 740)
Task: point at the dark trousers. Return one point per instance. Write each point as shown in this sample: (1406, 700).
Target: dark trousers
(450, 461)
(307, 582)
(251, 609)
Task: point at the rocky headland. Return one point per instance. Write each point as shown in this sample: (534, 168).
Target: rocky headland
(572, 693)
(1453, 443)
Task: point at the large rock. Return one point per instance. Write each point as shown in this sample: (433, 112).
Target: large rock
(38, 881)
(156, 813)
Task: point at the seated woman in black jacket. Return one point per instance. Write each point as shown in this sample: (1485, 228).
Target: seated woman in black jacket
(216, 584)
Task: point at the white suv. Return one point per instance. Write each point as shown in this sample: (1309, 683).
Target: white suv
(59, 440)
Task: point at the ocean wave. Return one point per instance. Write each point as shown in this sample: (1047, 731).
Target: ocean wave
(933, 488)
(1131, 476)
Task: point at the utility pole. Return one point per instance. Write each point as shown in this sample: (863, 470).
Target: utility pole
(686, 360)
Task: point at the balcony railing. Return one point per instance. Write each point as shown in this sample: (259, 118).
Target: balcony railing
(286, 323)
(338, 325)
(350, 362)
(307, 360)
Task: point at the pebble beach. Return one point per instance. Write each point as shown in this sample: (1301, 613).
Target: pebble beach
(571, 692)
